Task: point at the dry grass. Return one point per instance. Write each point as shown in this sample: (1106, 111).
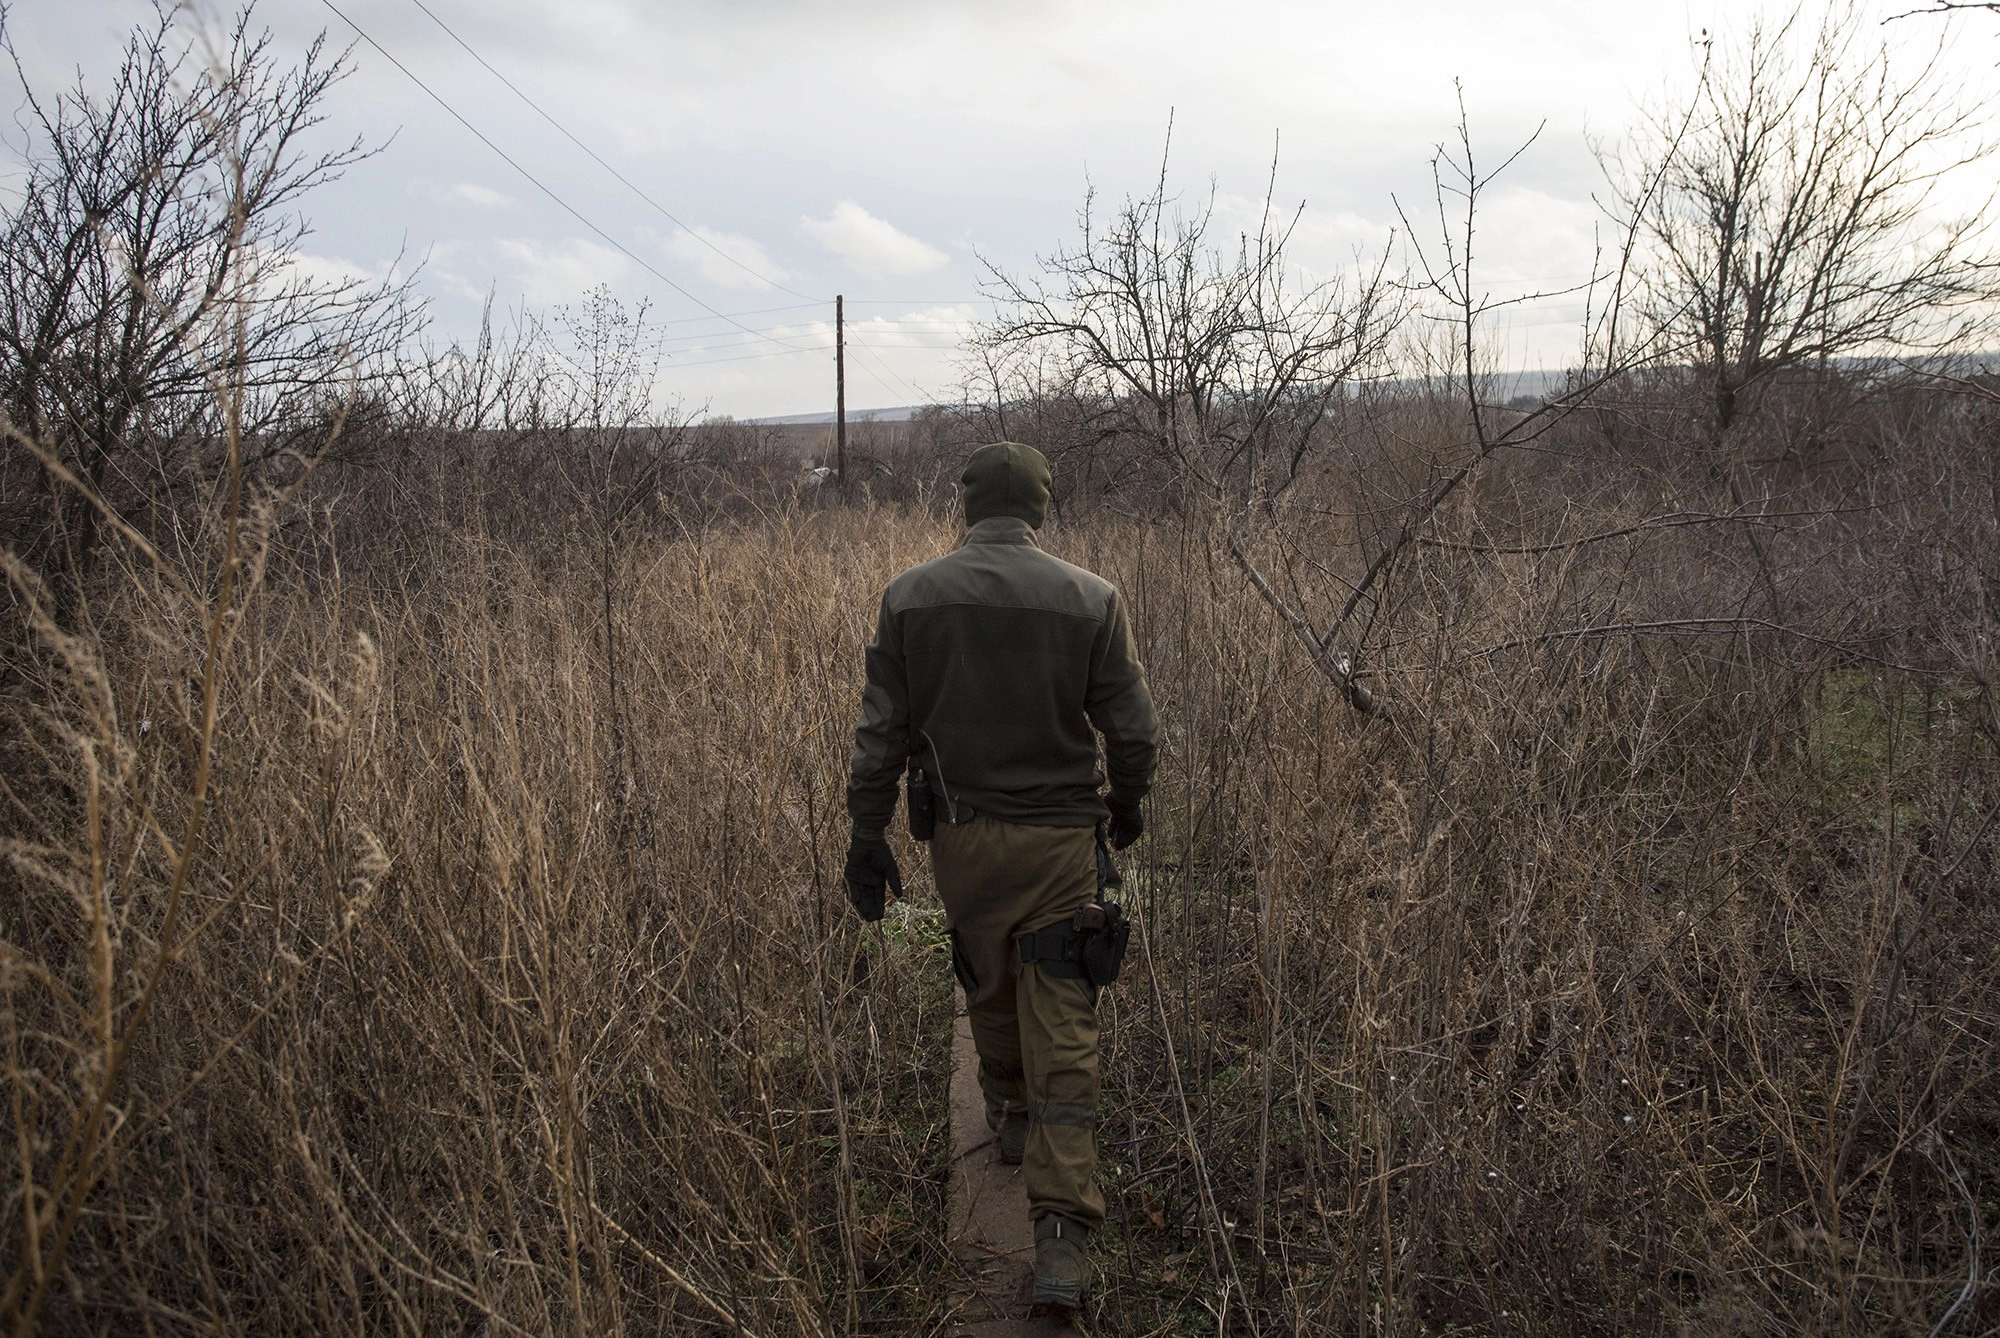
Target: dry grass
(1635, 983)
(474, 1017)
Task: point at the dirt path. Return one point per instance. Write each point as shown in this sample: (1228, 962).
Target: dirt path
(991, 1236)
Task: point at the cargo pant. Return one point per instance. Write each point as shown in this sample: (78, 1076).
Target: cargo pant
(1036, 1034)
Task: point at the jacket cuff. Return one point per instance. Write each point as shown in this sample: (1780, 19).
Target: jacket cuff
(868, 831)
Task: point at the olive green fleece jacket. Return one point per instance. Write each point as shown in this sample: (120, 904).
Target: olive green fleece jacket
(992, 664)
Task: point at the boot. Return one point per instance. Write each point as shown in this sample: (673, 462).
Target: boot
(1006, 1111)
(1012, 1130)
(1062, 1264)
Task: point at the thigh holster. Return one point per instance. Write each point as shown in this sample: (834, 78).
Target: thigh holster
(1090, 946)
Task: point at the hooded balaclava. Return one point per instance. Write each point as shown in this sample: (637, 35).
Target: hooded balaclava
(1006, 479)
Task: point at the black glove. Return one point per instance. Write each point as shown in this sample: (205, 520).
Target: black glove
(1127, 823)
(871, 865)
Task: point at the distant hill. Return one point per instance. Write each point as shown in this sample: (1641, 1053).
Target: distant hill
(900, 414)
(1504, 387)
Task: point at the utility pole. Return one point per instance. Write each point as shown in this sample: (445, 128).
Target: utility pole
(840, 384)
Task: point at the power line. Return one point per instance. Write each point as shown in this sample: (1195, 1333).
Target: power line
(786, 347)
(732, 315)
(535, 181)
(671, 365)
(762, 278)
(802, 330)
(877, 359)
(915, 329)
(892, 391)
(919, 326)
(725, 338)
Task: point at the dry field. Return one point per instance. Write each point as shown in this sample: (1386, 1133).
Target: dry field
(383, 956)
(421, 767)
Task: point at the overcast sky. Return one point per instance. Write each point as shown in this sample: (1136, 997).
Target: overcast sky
(885, 149)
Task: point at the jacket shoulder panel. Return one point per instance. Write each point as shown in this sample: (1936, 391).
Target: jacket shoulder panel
(1004, 576)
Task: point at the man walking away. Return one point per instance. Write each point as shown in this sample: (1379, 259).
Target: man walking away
(993, 671)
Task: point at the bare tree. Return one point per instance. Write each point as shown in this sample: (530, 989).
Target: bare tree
(1784, 216)
(617, 444)
(490, 381)
(1948, 7)
(1231, 374)
(1453, 366)
(1224, 362)
(148, 214)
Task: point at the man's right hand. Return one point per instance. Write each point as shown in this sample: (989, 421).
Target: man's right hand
(1127, 823)
(871, 866)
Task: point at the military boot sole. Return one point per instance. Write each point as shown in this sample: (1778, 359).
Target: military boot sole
(1065, 1294)
(1055, 1300)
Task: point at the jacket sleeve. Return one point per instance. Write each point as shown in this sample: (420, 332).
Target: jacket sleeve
(1121, 707)
(882, 737)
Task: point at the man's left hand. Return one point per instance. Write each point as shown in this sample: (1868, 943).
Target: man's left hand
(871, 866)
(1127, 823)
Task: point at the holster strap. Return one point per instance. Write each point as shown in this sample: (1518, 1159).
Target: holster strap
(1067, 1113)
(1054, 949)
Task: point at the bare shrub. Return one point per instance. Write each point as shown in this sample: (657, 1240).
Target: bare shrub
(1784, 213)
(146, 213)
(1627, 978)
(1222, 364)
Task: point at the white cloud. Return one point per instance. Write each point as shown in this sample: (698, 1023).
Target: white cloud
(560, 271)
(938, 328)
(871, 245)
(1536, 241)
(733, 267)
(476, 195)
